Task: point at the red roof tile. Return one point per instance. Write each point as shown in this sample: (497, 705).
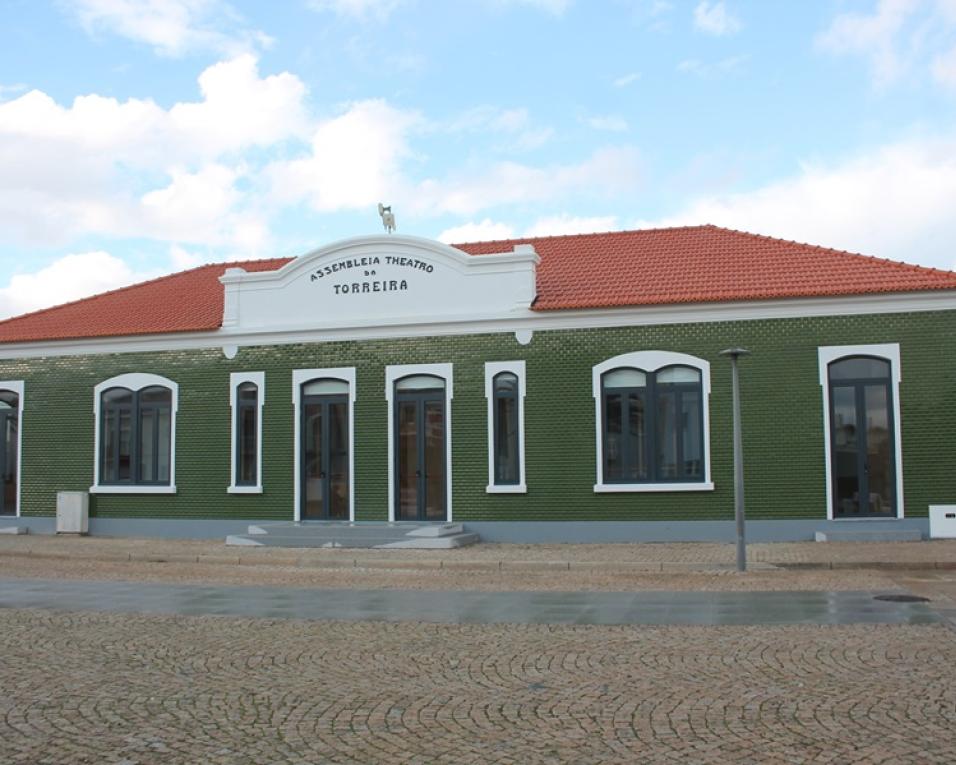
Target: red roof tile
(699, 264)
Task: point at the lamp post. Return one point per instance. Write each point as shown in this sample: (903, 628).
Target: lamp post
(734, 354)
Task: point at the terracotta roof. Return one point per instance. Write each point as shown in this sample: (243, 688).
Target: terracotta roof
(697, 264)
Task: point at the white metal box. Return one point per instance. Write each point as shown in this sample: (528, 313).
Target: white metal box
(72, 512)
(942, 521)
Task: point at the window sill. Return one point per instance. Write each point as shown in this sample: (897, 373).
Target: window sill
(512, 488)
(132, 490)
(244, 490)
(615, 488)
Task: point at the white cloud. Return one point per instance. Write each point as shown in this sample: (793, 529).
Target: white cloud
(171, 27)
(516, 123)
(358, 9)
(894, 202)
(560, 225)
(554, 7)
(182, 260)
(944, 69)
(69, 278)
(607, 171)
(627, 79)
(609, 122)
(354, 161)
(484, 231)
(871, 35)
(714, 19)
(83, 168)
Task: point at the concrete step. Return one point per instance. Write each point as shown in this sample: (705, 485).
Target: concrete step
(864, 535)
(423, 536)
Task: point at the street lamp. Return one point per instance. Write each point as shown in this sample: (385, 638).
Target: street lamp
(734, 354)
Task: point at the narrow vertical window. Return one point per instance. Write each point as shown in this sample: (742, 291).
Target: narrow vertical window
(507, 469)
(11, 406)
(247, 433)
(504, 388)
(246, 396)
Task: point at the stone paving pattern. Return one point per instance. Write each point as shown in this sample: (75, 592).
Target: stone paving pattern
(139, 690)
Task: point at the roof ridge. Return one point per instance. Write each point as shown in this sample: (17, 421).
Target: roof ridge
(125, 287)
(586, 233)
(837, 250)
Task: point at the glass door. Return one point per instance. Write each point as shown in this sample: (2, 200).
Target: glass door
(325, 451)
(420, 485)
(862, 441)
(9, 443)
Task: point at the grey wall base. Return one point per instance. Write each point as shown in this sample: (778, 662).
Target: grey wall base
(514, 531)
(674, 531)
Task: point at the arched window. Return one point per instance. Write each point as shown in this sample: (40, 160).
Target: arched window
(652, 422)
(505, 439)
(11, 406)
(136, 436)
(246, 396)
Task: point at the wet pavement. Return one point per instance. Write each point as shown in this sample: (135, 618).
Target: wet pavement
(469, 607)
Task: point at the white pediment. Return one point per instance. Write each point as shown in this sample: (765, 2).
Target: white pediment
(380, 280)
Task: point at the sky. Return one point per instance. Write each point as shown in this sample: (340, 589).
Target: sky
(141, 137)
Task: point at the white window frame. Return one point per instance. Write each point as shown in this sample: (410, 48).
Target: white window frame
(300, 376)
(135, 381)
(235, 380)
(651, 361)
(17, 386)
(492, 370)
(888, 352)
(392, 374)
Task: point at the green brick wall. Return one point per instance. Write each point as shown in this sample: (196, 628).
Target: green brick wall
(782, 411)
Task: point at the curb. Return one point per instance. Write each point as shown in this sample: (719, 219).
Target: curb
(257, 559)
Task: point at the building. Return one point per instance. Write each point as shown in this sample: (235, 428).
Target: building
(554, 389)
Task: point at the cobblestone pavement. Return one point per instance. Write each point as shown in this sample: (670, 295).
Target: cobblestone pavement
(132, 689)
(653, 556)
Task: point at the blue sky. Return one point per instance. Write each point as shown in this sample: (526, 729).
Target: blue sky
(139, 137)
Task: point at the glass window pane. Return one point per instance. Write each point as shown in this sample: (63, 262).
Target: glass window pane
(420, 382)
(8, 399)
(325, 387)
(625, 378)
(691, 436)
(163, 452)
(110, 444)
(506, 440)
(613, 445)
(879, 450)
(408, 467)
(247, 432)
(125, 446)
(247, 392)
(667, 457)
(678, 375)
(155, 395)
(147, 454)
(434, 452)
(635, 456)
(859, 367)
(118, 396)
(506, 382)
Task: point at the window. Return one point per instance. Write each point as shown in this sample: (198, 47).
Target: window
(11, 413)
(652, 422)
(135, 434)
(323, 402)
(861, 414)
(505, 390)
(419, 400)
(246, 397)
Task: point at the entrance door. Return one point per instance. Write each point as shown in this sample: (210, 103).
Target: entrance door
(420, 488)
(863, 445)
(9, 443)
(325, 451)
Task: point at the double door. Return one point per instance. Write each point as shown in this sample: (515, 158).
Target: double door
(325, 458)
(863, 449)
(420, 486)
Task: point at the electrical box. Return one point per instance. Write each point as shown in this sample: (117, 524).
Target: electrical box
(72, 512)
(942, 521)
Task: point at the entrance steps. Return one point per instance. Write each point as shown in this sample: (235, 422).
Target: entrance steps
(412, 536)
(869, 535)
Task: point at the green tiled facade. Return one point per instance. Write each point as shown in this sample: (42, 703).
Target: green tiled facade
(782, 420)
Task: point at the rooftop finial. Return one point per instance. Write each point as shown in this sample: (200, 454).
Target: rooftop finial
(388, 219)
